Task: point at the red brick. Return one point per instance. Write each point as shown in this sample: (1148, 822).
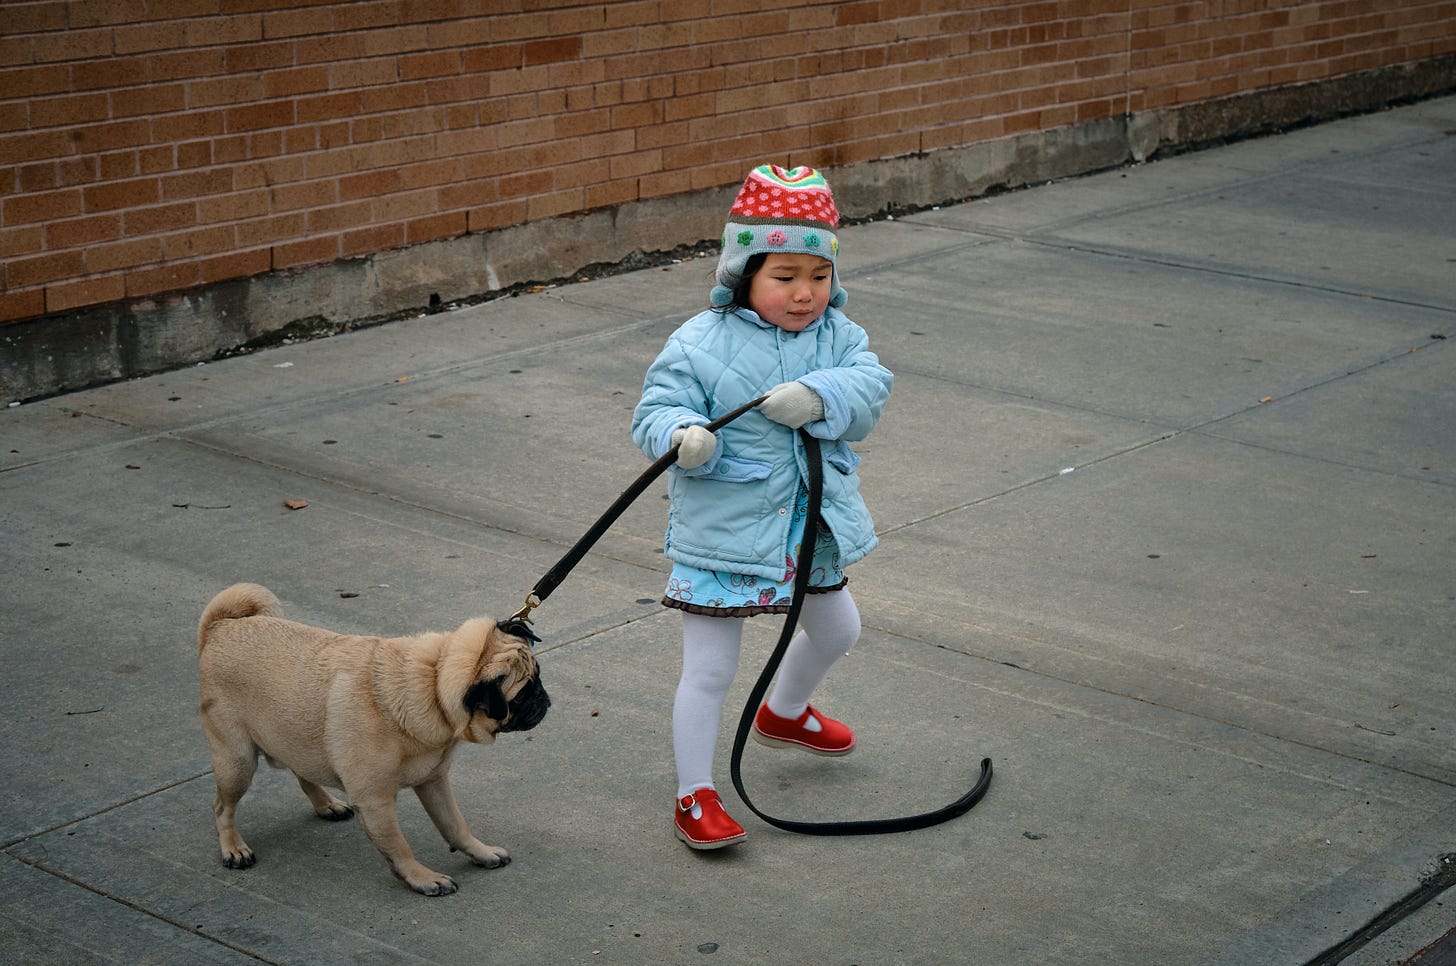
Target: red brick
(158, 218)
(338, 217)
(472, 32)
(375, 238)
(364, 15)
(150, 37)
(366, 73)
(101, 13)
(72, 45)
(441, 63)
(41, 207)
(492, 57)
(121, 255)
(609, 194)
(82, 231)
(76, 171)
(187, 127)
(164, 278)
(327, 107)
(118, 165)
(521, 26)
(309, 194)
(240, 29)
(550, 51)
(394, 97)
(431, 173)
(15, 306)
(255, 57)
(197, 242)
(401, 206)
(120, 194)
(70, 110)
(35, 81)
(498, 215)
(266, 231)
(187, 64)
(66, 296)
(295, 80)
(432, 227)
(266, 144)
(113, 72)
(194, 154)
(27, 240)
(157, 159)
(328, 49)
(258, 116)
(234, 265)
(17, 148)
(308, 251)
(369, 184)
(467, 194)
(192, 184)
(156, 99)
(40, 269)
(386, 43)
(95, 138)
(36, 17)
(296, 23)
(16, 51)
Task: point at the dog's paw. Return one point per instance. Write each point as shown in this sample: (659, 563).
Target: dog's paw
(489, 856)
(434, 884)
(239, 858)
(335, 811)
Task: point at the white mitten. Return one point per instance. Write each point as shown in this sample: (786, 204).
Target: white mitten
(694, 445)
(792, 404)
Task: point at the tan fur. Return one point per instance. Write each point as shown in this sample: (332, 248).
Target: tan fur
(368, 715)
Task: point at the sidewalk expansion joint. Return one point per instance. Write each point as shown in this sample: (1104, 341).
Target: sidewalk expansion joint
(1431, 886)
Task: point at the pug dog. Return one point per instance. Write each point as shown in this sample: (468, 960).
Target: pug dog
(367, 715)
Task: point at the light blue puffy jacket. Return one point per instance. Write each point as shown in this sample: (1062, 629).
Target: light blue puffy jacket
(732, 513)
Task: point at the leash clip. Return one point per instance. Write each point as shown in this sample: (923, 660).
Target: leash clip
(524, 614)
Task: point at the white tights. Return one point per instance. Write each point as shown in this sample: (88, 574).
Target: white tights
(828, 628)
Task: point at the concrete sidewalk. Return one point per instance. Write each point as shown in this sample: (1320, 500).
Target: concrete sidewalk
(1167, 501)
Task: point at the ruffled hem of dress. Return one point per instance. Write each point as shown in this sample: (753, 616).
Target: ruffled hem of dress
(751, 610)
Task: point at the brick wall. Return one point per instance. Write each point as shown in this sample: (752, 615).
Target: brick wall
(149, 146)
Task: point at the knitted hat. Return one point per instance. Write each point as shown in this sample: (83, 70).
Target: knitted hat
(778, 210)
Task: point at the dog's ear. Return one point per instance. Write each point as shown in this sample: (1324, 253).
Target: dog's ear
(486, 696)
(518, 628)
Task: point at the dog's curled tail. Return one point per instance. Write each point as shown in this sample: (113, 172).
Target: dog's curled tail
(239, 600)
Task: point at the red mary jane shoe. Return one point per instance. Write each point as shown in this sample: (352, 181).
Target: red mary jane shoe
(833, 739)
(713, 830)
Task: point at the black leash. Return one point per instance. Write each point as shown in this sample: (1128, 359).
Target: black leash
(553, 577)
(802, 575)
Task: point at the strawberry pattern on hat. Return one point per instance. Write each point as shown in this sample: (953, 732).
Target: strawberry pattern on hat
(776, 194)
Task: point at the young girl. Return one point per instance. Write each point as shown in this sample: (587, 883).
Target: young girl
(739, 497)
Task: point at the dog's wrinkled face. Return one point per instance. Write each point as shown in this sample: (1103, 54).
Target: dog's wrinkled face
(508, 695)
(528, 707)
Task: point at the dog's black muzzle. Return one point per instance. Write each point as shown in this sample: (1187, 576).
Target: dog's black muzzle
(528, 707)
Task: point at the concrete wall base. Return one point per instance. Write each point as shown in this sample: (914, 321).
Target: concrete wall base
(55, 354)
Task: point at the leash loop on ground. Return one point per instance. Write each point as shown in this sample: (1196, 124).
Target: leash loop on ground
(802, 575)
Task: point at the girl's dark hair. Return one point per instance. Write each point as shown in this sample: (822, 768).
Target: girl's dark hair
(740, 291)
